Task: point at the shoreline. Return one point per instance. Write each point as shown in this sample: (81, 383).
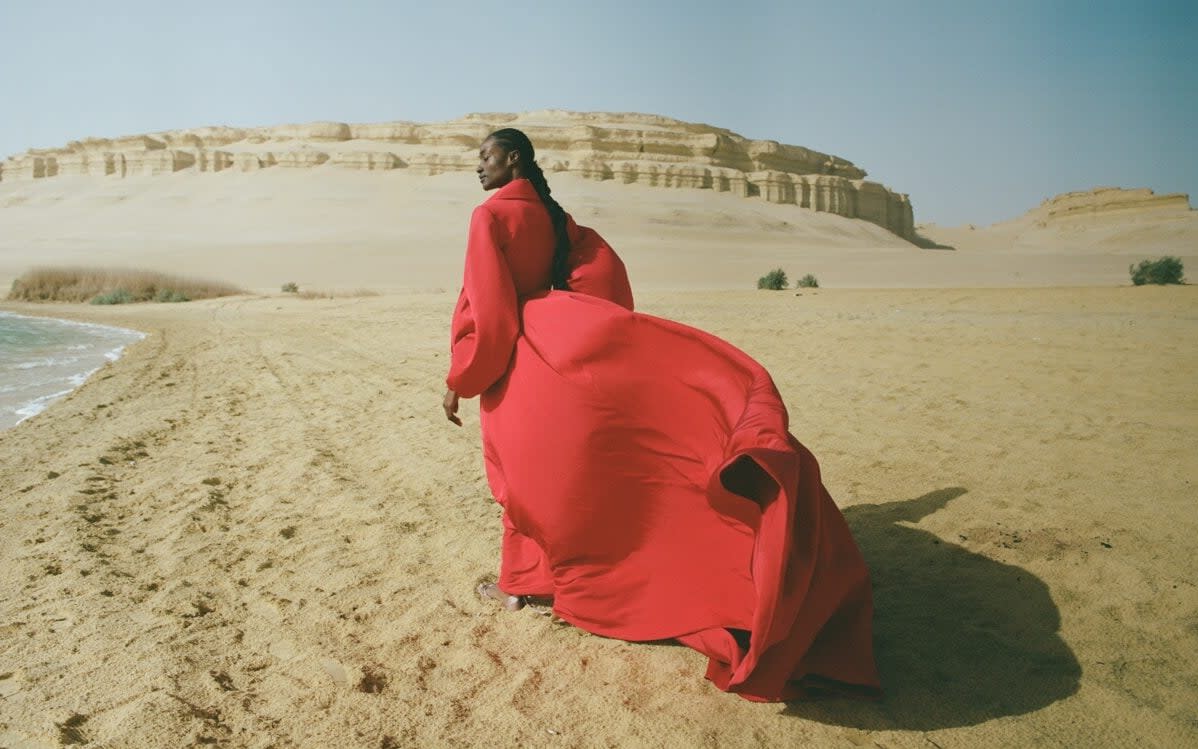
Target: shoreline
(42, 399)
(258, 515)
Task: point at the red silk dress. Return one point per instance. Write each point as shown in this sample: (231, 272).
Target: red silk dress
(647, 475)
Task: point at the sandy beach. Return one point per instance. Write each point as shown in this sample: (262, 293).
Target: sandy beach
(257, 529)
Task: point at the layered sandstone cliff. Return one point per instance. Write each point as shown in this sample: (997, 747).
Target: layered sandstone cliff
(630, 148)
(1105, 204)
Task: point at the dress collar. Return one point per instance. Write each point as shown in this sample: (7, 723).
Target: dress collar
(517, 189)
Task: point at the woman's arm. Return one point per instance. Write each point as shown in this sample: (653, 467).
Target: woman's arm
(486, 320)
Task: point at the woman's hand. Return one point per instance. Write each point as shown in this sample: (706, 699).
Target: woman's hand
(450, 405)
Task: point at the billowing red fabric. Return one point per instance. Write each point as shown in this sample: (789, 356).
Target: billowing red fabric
(649, 481)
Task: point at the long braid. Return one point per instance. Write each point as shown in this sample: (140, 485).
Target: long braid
(513, 139)
(561, 250)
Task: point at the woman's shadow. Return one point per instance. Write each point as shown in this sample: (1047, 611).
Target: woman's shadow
(960, 638)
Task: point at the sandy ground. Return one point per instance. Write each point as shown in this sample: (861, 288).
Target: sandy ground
(257, 529)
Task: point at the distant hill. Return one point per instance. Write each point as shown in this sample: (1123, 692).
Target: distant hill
(1108, 219)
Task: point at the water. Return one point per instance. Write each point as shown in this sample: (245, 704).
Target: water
(43, 359)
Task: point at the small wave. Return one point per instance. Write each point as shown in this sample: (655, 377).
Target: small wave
(47, 362)
(91, 326)
(37, 405)
(33, 364)
(53, 363)
(78, 379)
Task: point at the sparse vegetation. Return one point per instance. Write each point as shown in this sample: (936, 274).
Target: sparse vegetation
(291, 287)
(351, 294)
(112, 286)
(808, 282)
(775, 280)
(117, 296)
(171, 295)
(1166, 270)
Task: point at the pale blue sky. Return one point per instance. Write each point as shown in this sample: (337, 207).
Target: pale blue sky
(978, 110)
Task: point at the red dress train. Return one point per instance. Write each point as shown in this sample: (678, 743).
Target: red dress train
(649, 481)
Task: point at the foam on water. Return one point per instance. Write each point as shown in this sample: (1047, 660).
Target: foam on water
(43, 359)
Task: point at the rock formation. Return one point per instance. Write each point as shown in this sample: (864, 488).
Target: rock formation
(1105, 203)
(631, 148)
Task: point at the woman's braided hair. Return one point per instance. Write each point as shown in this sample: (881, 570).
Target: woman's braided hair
(511, 139)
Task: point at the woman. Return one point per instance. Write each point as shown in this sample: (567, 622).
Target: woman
(649, 484)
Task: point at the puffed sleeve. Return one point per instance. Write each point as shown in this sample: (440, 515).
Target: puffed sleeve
(486, 320)
(595, 268)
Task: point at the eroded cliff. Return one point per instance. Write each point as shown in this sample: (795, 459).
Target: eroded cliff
(630, 148)
(1101, 203)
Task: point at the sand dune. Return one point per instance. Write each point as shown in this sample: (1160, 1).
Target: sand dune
(257, 529)
(398, 231)
(1099, 222)
(395, 230)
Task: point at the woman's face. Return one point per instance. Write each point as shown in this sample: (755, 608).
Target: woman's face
(496, 167)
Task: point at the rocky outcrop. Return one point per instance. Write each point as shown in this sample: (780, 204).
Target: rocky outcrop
(300, 159)
(151, 163)
(214, 161)
(629, 148)
(368, 160)
(30, 165)
(1105, 203)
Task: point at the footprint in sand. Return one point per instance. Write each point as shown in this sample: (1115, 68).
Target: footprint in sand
(335, 671)
(10, 683)
(284, 650)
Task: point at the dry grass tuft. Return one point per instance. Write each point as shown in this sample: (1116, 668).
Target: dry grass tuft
(355, 293)
(112, 286)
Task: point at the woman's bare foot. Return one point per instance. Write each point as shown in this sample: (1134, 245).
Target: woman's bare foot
(492, 591)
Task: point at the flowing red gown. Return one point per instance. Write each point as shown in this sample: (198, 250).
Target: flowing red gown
(649, 482)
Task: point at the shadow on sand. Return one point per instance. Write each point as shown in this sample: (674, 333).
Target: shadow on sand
(960, 639)
(925, 243)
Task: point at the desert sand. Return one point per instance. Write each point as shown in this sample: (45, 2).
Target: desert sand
(257, 529)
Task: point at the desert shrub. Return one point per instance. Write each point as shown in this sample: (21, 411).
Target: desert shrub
(1165, 270)
(808, 282)
(87, 284)
(774, 280)
(291, 287)
(117, 296)
(171, 295)
(336, 294)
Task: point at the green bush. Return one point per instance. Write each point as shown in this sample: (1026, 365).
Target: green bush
(170, 295)
(1166, 270)
(808, 282)
(775, 280)
(119, 296)
(290, 288)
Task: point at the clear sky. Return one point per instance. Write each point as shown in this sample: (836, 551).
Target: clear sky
(977, 109)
